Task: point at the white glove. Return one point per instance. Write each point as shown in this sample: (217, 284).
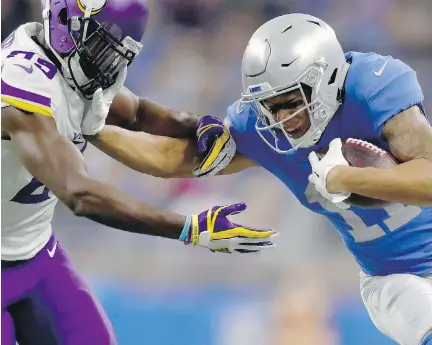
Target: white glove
(97, 111)
(321, 168)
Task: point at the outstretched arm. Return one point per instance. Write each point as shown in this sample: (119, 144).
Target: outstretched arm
(410, 138)
(156, 155)
(57, 163)
(162, 142)
(139, 114)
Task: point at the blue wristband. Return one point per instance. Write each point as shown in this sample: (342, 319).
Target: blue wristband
(186, 228)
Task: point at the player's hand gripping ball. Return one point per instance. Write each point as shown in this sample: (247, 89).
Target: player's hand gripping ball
(356, 153)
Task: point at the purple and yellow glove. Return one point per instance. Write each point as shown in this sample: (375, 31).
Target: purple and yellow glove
(216, 147)
(213, 230)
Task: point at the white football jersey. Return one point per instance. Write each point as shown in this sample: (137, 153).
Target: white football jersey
(30, 81)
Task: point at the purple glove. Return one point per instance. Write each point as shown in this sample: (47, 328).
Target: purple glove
(212, 229)
(216, 147)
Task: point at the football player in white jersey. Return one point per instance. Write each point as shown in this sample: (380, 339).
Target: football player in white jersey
(53, 74)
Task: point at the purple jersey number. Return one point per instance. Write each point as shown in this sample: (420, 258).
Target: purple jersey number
(47, 68)
(27, 195)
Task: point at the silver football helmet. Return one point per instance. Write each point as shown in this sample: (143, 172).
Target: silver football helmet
(286, 54)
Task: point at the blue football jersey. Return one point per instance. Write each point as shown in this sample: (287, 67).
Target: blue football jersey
(388, 240)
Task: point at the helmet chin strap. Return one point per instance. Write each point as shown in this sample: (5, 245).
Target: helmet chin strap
(87, 14)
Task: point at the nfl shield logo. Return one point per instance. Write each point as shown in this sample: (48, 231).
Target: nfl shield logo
(255, 89)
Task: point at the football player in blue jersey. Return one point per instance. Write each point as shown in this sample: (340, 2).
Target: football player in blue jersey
(301, 94)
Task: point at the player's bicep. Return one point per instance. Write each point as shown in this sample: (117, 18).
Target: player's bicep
(140, 114)
(409, 135)
(134, 113)
(49, 157)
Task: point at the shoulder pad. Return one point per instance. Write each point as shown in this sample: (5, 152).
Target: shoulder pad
(240, 115)
(388, 86)
(27, 84)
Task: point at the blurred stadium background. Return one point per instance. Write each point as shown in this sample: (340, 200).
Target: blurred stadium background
(158, 292)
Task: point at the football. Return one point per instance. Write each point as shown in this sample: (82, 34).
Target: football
(363, 154)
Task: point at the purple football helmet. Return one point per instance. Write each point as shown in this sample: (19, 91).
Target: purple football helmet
(93, 39)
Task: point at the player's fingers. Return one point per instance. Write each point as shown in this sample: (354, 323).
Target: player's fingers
(223, 159)
(98, 94)
(206, 139)
(210, 129)
(342, 205)
(313, 178)
(222, 250)
(313, 160)
(215, 151)
(246, 251)
(203, 144)
(122, 74)
(210, 162)
(213, 155)
(98, 100)
(254, 233)
(335, 144)
(208, 120)
(232, 209)
(197, 172)
(259, 240)
(240, 233)
(261, 247)
(120, 80)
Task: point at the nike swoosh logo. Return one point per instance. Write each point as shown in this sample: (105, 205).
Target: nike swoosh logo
(381, 70)
(53, 250)
(25, 68)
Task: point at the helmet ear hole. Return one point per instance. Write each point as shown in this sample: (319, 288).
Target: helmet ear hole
(62, 16)
(333, 77)
(307, 91)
